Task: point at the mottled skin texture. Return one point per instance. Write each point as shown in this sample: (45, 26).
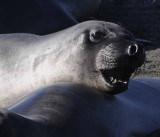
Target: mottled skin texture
(43, 16)
(30, 62)
(74, 110)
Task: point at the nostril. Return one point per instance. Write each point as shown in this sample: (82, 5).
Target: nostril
(132, 49)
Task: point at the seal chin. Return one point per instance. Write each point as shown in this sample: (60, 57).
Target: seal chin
(116, 79)
(117, 88)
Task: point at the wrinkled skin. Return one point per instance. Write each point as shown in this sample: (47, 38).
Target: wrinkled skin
(43, 16)
(98, 54)
(74, 110)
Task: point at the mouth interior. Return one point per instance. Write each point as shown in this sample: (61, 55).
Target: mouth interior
(117, 77)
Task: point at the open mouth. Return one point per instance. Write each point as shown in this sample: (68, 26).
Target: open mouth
(116, 79)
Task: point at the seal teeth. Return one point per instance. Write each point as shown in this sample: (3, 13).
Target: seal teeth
(115, 80)
(112, 79)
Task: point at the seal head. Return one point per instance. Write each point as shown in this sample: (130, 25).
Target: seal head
(110, 55)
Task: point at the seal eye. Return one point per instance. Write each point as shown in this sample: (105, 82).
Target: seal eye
(96, 36)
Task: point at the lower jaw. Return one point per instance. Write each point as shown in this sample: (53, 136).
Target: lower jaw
(119, 88)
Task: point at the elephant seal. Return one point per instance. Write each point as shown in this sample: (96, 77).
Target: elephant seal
(41, 16)
(96, 53)
(73, 110)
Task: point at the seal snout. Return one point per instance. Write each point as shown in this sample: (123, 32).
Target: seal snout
(119, 66)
